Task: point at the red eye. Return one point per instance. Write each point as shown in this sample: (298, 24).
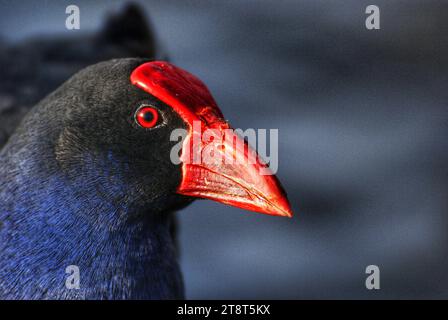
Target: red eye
(147, 117)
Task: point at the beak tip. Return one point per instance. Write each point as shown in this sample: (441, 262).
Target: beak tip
(280, 208)
(287, 212)
(283, 207)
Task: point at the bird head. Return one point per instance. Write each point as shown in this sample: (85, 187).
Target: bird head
(118, 123)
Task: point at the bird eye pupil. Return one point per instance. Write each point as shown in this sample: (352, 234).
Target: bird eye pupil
(146, 117)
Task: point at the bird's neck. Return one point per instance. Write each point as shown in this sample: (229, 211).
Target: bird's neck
(122, 251)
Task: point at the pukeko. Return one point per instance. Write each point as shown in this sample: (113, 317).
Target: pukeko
(88, 180)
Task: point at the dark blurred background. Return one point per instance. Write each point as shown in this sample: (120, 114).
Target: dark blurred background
(362, 118)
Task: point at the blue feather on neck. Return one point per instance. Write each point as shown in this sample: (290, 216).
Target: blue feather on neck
(50, 221)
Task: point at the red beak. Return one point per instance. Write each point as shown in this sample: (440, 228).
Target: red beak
(223, 167)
